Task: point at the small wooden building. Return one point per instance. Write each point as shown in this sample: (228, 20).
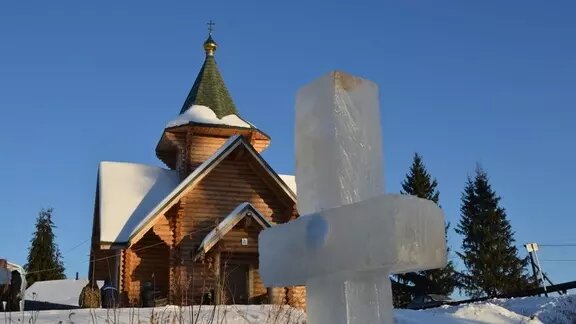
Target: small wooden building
(191, 230)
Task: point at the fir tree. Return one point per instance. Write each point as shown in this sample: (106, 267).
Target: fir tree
(488, 250)
(419, 183)
(44, 258)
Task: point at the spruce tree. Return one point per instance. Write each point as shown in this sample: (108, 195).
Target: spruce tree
(44, 258)
(419, 183)
(488, 250)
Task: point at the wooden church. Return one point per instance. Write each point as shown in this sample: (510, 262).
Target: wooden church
(190, 230)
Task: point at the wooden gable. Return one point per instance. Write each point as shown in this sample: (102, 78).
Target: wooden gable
(235, 180)
(236, 172)
(238, 178)
(244, 236)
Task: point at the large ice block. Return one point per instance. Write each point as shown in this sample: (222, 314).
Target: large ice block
(351, 235)
(338, 142)
(397, 233)
(351, 297)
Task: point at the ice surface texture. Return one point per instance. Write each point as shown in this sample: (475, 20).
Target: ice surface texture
(396, 232)
(355, 297)
(338, 142)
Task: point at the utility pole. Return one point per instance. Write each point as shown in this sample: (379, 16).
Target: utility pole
(533, 264)
(532, 248)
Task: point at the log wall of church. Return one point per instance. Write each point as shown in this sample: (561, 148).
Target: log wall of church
(200, 148)
(104, 264)
(260, 144)
(258, 288)
(247, 229)
(174, 217)
(163, 231)
(146, 261)
(232, 182)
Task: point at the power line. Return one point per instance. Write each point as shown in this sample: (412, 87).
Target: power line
(559, 245)
(114, 256)
(76, 246)
(63, 254)
(103, 258)
(560, 260)
(100, 259)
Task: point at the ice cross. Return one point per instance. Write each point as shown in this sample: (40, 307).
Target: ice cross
(351, 235)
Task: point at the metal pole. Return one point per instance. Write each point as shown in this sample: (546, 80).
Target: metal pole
(540, 272)
(534, 273)
(551, 283)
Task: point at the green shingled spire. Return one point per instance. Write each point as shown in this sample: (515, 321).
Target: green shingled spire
(209, 88)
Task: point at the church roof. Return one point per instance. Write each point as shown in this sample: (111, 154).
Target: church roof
(290, 180)
(209, 89)
(243, 210)
(126, 193)
(131, 196)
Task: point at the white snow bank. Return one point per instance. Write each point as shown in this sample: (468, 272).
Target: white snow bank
(233, 314)
(63, 292)
(533, 310)
(205, 115)
(289, 180)
(482, 313)
(128, 192)
(548, 310)
(557, 310)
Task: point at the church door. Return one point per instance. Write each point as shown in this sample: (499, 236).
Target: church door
(236, 283)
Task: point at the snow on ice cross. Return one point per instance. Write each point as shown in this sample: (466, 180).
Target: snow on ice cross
(351, 235)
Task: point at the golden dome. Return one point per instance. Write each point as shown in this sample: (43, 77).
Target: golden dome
(210, 46)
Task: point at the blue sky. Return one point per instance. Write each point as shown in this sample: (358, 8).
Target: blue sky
(460, 82)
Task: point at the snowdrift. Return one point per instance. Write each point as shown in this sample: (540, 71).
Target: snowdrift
(533, 310)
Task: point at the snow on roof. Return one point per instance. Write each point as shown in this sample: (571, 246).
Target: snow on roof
(63, 292)
(235, 216)
(13, 266)
(290, 181)
(205, 115)
(127, 193)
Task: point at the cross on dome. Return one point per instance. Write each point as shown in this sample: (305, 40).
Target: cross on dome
(211, 25)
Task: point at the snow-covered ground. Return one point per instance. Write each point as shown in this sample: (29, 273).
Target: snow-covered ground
(521, 310)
